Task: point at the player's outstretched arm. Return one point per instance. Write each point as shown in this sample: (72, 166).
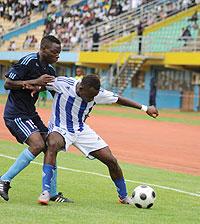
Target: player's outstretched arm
(150, 110)
(26, 84)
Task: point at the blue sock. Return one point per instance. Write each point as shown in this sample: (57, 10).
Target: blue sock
(21, 162)
(48, 171)
(121, 187)
(53, 190)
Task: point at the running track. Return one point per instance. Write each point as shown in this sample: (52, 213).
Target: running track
(171, 146)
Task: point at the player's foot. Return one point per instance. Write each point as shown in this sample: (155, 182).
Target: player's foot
(60, 198)
(127, 200)
(4, 188)
(44, 198)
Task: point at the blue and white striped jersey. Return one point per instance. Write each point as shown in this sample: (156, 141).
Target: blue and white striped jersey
(69, 110)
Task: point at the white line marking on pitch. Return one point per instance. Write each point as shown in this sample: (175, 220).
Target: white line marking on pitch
(102, 175)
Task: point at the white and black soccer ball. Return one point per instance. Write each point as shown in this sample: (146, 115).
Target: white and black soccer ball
(143, 196)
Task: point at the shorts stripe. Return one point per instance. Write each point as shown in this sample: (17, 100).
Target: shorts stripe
(31, 123)
(22, 127)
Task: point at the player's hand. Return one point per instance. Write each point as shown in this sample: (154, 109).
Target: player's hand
(32, 88)
(44, 79)
(35, 90)
(152, 111)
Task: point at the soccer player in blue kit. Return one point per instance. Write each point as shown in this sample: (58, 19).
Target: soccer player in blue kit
(72, 103)
(20, 115)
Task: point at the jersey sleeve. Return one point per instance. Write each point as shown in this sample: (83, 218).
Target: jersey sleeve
(60, 84)
(17, 72)
(106, 97)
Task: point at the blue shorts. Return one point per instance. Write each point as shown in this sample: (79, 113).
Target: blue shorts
(22, 128)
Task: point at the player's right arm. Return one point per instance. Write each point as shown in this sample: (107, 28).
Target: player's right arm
(18, 75)
(27, 84)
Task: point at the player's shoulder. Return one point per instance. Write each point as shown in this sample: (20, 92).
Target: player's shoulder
(66, 80)
(102, 91)
(105, 93)
(28, 59)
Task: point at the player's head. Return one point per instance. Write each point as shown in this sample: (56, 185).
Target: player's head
(50, 48)
(89, 87)
(79, 71)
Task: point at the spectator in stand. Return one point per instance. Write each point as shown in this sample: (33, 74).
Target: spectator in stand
(140, 34)
(113, 11)
(186, 35)
(34, 42)
(125, 6)
(2, 9)
(119, 9)
(194, 20)
(95, 39)
(12, 46)
(185, 3)
(1, 30)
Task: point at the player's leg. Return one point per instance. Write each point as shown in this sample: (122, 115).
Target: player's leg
(92, 145)
(55, 142)
(24, 131)
(106, 157)
(55, 196)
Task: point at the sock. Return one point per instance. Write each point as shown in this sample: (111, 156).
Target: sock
(22, 161)
(48, 171)
(121, 187)
(53, 190)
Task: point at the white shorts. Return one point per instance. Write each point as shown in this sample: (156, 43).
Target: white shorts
(86, 141)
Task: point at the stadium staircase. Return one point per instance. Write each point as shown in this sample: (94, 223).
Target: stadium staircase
(125, 72)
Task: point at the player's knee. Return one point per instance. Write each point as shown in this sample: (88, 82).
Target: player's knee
(38, 147)
(52, 145)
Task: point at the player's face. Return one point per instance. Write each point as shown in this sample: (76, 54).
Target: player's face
(51, 53)
(79, 72)
(87, 94)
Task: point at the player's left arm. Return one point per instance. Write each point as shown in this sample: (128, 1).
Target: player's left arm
(150, 110)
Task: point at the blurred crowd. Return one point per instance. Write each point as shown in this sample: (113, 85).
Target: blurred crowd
(70, 24)
(20, 11)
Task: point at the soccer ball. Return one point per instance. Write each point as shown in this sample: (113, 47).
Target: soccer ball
(143, 196)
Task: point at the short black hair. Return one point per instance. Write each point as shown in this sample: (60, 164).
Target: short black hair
(91, 81)
(49, 39)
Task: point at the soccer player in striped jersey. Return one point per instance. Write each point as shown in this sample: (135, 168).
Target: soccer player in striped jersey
(20, 114)
(72, 103)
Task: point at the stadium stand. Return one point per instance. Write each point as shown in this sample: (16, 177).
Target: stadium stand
(165, 33)
(81, 21)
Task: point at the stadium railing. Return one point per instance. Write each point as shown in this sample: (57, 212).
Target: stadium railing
(160, 45)
(126, 23)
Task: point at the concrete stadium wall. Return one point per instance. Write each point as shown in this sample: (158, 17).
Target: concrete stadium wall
(23, 29)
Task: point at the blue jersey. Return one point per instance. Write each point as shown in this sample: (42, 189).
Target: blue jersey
(20, 103)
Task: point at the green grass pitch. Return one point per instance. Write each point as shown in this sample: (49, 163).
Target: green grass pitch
(95, 195)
